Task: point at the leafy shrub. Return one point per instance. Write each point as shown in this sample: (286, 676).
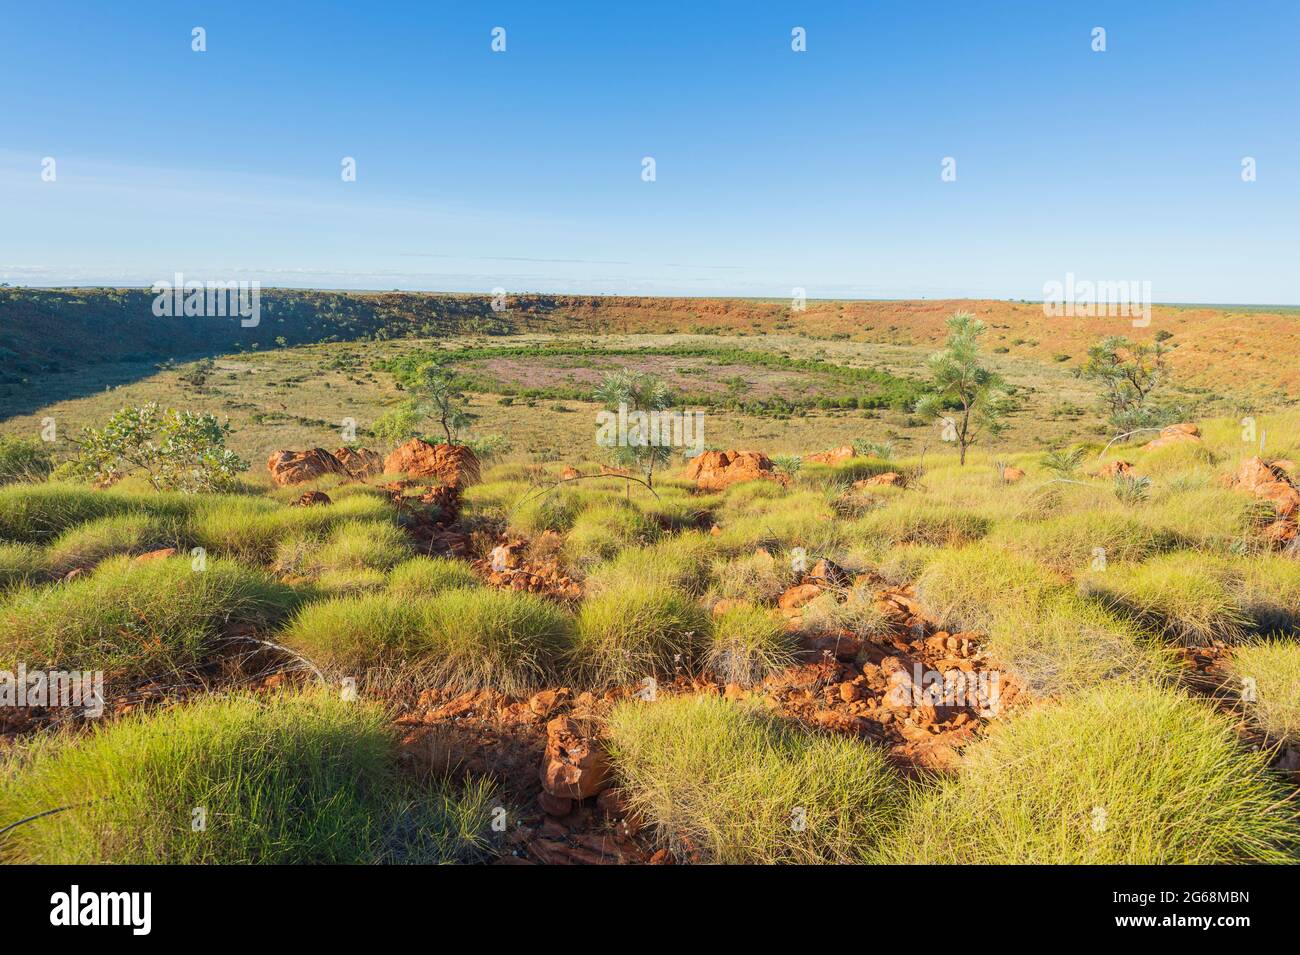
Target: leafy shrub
(175, 450)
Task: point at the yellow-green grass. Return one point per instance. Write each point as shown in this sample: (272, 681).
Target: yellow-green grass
(85, 545)
(286, 780)
(139, 620)
(1182, 457)
(250, 529)
(856, 612)
(38, 513)
(600, 532)
(1060, 643)
(681, 560)
(482, 638)
(1269, 671)
(747, 644)
(21, 564)
(639, 631)
(904, 563)
(422, 577)
(913, 519)
(1206, 518)
(739, 786)
(966, 589)
(1191, 598)
(363, 545)
(760, 577)
(1120, 774)
(462, 638)
(1074, 542)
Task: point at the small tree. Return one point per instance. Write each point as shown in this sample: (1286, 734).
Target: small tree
(636, 391)
(1128, 373)
(976, 395)
(175, 450)
(399, 424)
(438, 396)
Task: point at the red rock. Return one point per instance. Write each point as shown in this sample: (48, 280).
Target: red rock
(833, 456)
(799, 595)
(313, 499)
(842, 646)
(729, 603)
(1113, 469)
(1174, 434)
(827, 573)
(453, 464)
(887, 479)
(569, 473)
(555, 805)
(360, 463)
(715, 470)
(1011, 475)
(162, 554)
(298, 467)
(1268, 482)
(574, 764)
(662, 857)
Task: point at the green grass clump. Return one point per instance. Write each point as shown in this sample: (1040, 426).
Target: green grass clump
(135, 620)
(739, 786)
(641, 630)
(1120, 774)
(480, 637)
(422, 577)
(244, 529)
(293, 780)
(1063, 643)
(966, 589)
(600, 532)
(355, 634)
(681, 561)
(759, 577)
(363, 545)
(1273, 666)
(912, 520)
(87, 544)
(1184, 597)
(1069, 543)
(748, 644)
(21, 564)
(37, 513)
(464, 638)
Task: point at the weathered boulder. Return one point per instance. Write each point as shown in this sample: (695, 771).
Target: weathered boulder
(360, 463)
(1010, 475)
(453, 464)
(1114, 469)
(715, 470)
(298, 467)
(569, 473)
(1174, 434)
(1268, 482)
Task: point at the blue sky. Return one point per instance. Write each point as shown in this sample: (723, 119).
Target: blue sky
(775, 169)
